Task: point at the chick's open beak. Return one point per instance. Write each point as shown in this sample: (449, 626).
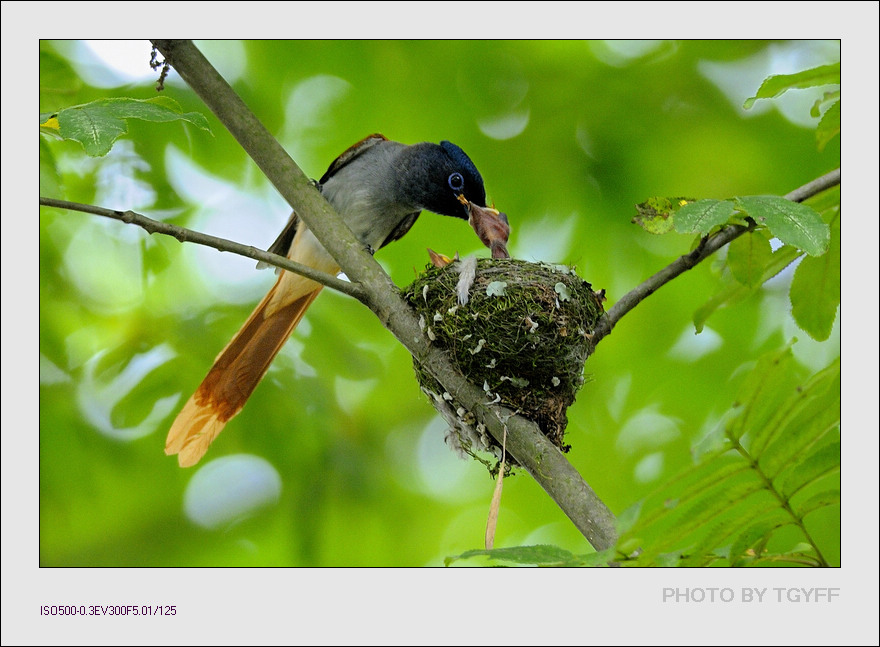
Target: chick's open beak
(490, 225)
(440, 260)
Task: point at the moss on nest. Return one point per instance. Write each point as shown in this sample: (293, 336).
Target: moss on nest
(524, 334)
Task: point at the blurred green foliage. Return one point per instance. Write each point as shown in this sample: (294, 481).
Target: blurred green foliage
(338, 459)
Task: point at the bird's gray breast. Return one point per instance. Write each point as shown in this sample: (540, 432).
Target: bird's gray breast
(365, 194)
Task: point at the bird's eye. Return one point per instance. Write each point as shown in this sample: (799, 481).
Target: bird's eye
(456, 182)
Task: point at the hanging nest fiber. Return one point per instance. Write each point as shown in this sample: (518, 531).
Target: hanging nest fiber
(521, 330)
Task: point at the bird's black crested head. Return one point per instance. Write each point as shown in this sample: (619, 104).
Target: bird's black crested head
(440, 176)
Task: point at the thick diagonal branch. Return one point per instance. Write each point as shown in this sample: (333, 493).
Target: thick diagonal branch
(525, 440)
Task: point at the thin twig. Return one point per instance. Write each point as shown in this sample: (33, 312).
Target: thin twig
(189, 235)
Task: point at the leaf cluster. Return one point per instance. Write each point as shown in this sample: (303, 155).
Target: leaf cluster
(812, 229)
(808, 232)
(778, 84)
(774, 461)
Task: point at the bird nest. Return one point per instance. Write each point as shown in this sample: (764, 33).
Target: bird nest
(520, 330)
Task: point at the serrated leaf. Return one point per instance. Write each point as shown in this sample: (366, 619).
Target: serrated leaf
(703, 215)
(774, 86)
(820, 500)
(824, 460)
(791, 222)
(655, 215)
(829, 126)
(815, 289)
(748, 256)
(826, 97)
(98, 124)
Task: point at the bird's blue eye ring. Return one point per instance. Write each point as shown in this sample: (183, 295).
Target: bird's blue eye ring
(456, 182)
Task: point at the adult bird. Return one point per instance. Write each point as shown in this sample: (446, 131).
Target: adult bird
(379, 187)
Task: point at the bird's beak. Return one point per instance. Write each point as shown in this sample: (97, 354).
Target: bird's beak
(490, 225)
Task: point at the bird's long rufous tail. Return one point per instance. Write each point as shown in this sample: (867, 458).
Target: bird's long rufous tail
(240, 367)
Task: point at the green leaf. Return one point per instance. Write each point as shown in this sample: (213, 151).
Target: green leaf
(807, 416)
(815, 111)
(696, 481)
(540, 555)
(689, 485)
(774, 86)
(790, 557)
(820, 500)
(655, 215)
(811, 418)
(807, 428)
(815, 290)
(703, 215)
(694, 497)
(98, 124)
(716, 502)
(829, 126)
(719, 533)
(761, 394)
(704, 510)
(791, 222)
(748, 256)
(759, 531)
(824, 460)
(602, 558)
